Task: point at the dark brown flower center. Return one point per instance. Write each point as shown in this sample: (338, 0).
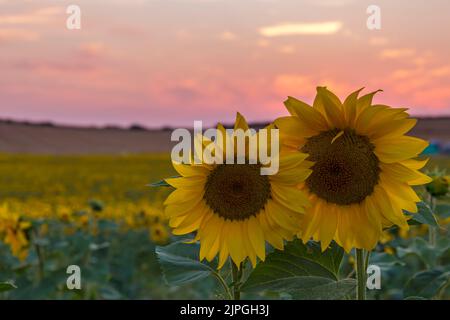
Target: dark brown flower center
(237, 191)
(345, 171)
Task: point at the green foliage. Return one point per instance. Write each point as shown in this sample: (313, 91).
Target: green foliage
(300, 271)
(324, 289)
(427, 284)
(303, 271)
(180, 263)
(429, 255)
(114, 265)
(160, 183)
(417, 268)
(443, 210)
(385, 261)
(424, 215)
(181, 266)
(6, 286)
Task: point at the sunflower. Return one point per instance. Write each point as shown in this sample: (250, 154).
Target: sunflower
(363, 169)
(233, 209)
(13, 232)
(159, 233)
(439, 186)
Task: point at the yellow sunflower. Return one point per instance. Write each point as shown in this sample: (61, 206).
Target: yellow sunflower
(363, 169)
(159, 233)
(234, 209)
(13, 232)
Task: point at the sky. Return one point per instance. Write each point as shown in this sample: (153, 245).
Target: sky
(170, 62)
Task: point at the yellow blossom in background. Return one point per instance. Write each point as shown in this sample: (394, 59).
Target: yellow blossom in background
(12, 232)
(386, 236)
(159, 233)
(119, 182)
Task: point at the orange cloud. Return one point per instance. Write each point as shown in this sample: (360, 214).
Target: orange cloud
(295, 84)
(92, 49)
(290, 84)
(440, 71)
(397, 53)
(228, 36)
(288, 29)
(378, 41)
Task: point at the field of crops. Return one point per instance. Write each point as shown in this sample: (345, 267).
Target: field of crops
(97, 212)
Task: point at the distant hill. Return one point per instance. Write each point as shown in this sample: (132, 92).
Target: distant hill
(48, 138)
(52, 139)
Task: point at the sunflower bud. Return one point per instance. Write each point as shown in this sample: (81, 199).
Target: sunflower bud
(439, 186)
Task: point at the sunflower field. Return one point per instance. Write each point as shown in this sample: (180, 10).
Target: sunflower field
(97, 212)
(348, 215)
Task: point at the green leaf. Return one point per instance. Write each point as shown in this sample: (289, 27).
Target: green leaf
(424, 215)
(7, 285)
(443, 210)
(161, 183)
(427, 283)
(180, 263)
(294, 264)
(443, 251)
(427, 253)
(385, 261)
(314, 288)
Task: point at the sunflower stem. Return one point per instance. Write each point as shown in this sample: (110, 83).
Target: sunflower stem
(432, 234)
(224, 285)
(361, 269)
(237, 275)
(39, 255)
(366, 261)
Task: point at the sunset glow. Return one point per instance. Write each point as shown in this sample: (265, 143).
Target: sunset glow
(170, 62)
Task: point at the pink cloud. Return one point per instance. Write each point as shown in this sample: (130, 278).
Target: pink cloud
(40, 16)
(15, 35)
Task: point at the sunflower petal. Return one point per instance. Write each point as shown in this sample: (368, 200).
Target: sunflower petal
(390, 150)
(240, 122)
(331, 107)
(256, 236)
(195, 182)
(350, 107)
(309, 116)
(274, 239)
(402, 173)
